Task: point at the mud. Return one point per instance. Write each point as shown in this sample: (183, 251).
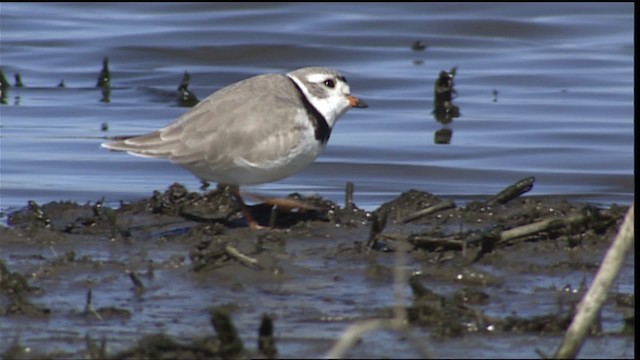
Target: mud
(179, 275)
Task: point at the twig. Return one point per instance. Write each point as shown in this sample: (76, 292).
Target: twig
(450, 243)
(137, 283)
(513, 191)
(498, 237)
(590, 305)
(266, 342)
(273, 217)
(235, 254)
(230, 342)
(443, 205)
(377, 225)
(88, 308)
(348, 196)
(93, 351)
(547, 224)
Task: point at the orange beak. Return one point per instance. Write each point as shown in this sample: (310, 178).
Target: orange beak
(357, 103)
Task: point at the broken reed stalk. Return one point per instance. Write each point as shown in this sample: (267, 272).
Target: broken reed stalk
(548, 224)
(88, 308)
(443, 205)
(551, 223)
(242, 258)
(422, 240)
(590, 305)
(104, 79)
(348, 196)
(266, 341)
(377, 226)
(184, 96)
(18, 80)
(230, 342)
(93, 351)
(513, 191)
(273, 217)
(137, 283)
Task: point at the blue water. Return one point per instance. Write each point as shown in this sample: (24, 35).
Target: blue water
(563, 75)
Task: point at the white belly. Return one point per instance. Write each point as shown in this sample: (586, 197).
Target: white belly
(242, 172)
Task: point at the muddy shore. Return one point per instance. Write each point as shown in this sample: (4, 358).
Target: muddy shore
(179, 274)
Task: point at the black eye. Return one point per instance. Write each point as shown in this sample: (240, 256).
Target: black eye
(330, 83)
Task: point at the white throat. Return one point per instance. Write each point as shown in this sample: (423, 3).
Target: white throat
(331, 107)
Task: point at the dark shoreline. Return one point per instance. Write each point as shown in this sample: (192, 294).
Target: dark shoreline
(449, 245)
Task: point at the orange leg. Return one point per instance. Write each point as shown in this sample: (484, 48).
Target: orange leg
(283, 203)
(245, 211)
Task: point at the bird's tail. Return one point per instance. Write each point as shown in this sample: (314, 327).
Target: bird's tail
(149, 145)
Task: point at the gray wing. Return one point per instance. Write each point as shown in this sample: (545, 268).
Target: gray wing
(250, 121)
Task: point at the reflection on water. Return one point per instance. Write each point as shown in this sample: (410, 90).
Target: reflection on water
(443, 135)
(19, 83)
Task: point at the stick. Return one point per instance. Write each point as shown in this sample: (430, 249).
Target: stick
(230, 342)
(551, 223)
(377, 225)
(235, 254)
(348, 196)
(89, 309)
(137, 283)
(592, 301)
(266, 342)
(443, 205)
(513, 191)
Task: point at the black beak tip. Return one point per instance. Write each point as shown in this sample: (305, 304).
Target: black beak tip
(357, 103)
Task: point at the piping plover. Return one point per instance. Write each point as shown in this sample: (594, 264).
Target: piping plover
(258, 130)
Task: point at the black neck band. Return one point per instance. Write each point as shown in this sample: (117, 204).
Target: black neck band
(323, 131)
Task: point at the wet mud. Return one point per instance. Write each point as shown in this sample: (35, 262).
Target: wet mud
(179, 274)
